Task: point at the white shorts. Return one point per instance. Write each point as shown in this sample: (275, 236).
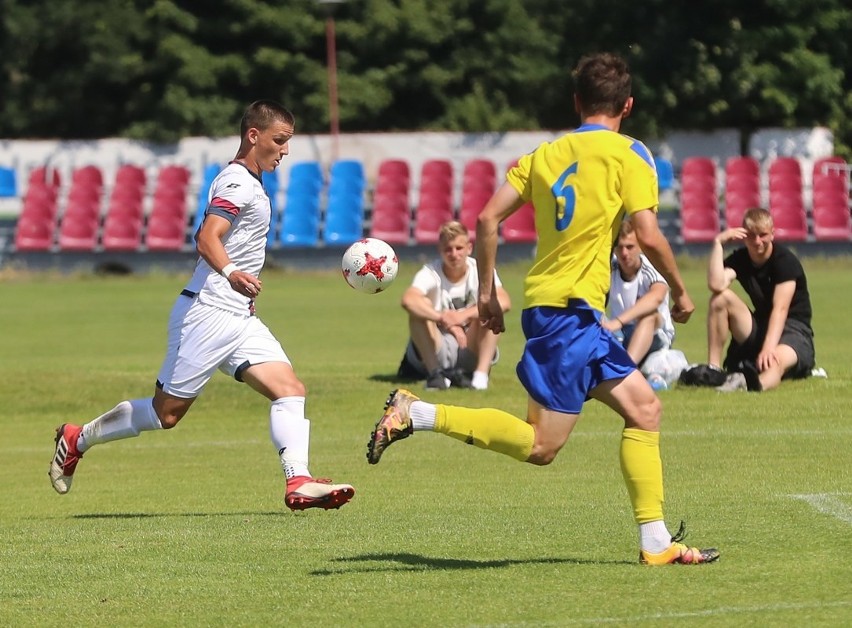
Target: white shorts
(203, 338)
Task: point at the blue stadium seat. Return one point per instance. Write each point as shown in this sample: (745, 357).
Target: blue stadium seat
(207, 176)
(665, 173)
(8, 186)
(347, 170)
(300, 220)
(305, 176)
(344, 218)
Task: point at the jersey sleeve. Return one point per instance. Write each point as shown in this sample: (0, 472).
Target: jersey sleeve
(639, 187)
(228, 196)
(425, 281)
(519, 177)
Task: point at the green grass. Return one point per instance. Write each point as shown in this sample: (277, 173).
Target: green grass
(189, 528)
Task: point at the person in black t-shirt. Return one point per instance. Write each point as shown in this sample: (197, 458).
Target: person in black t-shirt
(774, 341)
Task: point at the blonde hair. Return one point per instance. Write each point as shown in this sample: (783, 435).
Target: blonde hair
(626, 228)
(757, 218)
(451, 230)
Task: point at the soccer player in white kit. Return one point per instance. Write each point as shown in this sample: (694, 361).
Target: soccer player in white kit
(213, 326)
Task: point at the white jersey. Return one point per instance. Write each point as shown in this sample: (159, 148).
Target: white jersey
(444, 294)
(624, 294)
(237, 195)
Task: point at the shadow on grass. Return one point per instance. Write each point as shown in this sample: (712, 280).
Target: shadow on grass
(393, 378)
(151, 515)
(417, 562)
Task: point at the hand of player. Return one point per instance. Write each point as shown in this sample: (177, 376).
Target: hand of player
(682, 308)
(491, 315)
(245, 283)
(766, 359)
(731, 235)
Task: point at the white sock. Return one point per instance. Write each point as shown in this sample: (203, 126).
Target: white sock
(125, 420)
(422, 415)
(290, 432)
(654, 537)
(479, 381)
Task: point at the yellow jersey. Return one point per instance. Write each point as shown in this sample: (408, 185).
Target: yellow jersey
(581, 185)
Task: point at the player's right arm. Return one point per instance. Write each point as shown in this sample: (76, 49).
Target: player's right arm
(719, 277)
(503, 204)
(657, 249)
(210, 247)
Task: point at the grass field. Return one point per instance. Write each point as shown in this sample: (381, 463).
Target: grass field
(188, 528)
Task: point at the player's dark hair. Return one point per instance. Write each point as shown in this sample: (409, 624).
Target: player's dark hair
(261, 114)
(602, 83)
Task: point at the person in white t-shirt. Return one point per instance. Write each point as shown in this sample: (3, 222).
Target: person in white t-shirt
(638, 300)
(213, 326)
(446, 335)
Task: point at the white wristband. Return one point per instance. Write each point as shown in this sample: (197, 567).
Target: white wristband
(229, 268)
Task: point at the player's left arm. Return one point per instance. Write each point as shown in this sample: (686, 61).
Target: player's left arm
(657, 249)
(782, 297)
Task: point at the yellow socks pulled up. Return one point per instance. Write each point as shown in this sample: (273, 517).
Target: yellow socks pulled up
(643, 473)
(487, 428)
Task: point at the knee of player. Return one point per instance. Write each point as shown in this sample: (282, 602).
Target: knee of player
(542, 456)
(720, 300)
(648, 415)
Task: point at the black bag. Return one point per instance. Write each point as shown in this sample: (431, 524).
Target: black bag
(702, 375)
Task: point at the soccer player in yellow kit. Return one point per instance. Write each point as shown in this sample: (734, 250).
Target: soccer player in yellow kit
(581, 185)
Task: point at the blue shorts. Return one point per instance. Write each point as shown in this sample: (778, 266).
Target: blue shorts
(567, 354)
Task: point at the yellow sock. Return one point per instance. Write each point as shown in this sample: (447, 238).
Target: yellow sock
(487, 428)
(643, 473)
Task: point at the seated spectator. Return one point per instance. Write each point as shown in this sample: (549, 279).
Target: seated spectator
(775, 340)
(448, 345)
(638, 300)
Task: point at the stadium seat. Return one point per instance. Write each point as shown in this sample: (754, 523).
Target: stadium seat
(831, 199)
(129, 175)
(472, 202)
(78, 233)
(121, 233)
(698, 166)
(789, 218)
(430, 213)
(665, 173)
(8, 183)
(208, 174)
(479, 173)
(87, 177)
(394, 170)
(699, 205)
(44, 176)
(305, 176)
(33, 234)
(165, 235)
(300, 220)
(742, 188)
(347, 169)
(520, 226)
(173, 175)
(169, 202)
(786, 203)
(344, 217)
(436, 169)
(391, 219)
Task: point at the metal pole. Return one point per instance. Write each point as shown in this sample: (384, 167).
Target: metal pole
(334, 116)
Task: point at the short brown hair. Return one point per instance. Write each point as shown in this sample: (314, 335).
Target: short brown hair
(451, 230)
(261, 114)
(626, 228)
(602, 83)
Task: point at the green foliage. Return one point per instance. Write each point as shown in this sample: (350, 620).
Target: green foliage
(166, 69)
(188, 527)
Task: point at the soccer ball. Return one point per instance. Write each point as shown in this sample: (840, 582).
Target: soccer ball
(370, 265)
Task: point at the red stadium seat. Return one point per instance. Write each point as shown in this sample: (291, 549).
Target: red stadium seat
(698, 166)
(472, 202)
(742, 188)
(430, 214)
(87, 177)
(831, 199)
(122, 233)
(390, 219)
(699, 209)
(786, 203)
(78, 233)
(33, 234)
(479, 173)
(165, 235)
(520, 226)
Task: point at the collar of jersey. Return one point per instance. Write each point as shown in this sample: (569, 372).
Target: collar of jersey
(590, 127)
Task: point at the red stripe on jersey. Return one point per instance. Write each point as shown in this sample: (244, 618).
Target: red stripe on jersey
(225, 205)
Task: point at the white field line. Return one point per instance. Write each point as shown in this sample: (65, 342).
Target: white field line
(828, 504)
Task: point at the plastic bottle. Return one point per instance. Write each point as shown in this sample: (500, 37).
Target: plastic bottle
(657, 382)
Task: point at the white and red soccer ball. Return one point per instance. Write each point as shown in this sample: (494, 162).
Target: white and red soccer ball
(370, 265)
